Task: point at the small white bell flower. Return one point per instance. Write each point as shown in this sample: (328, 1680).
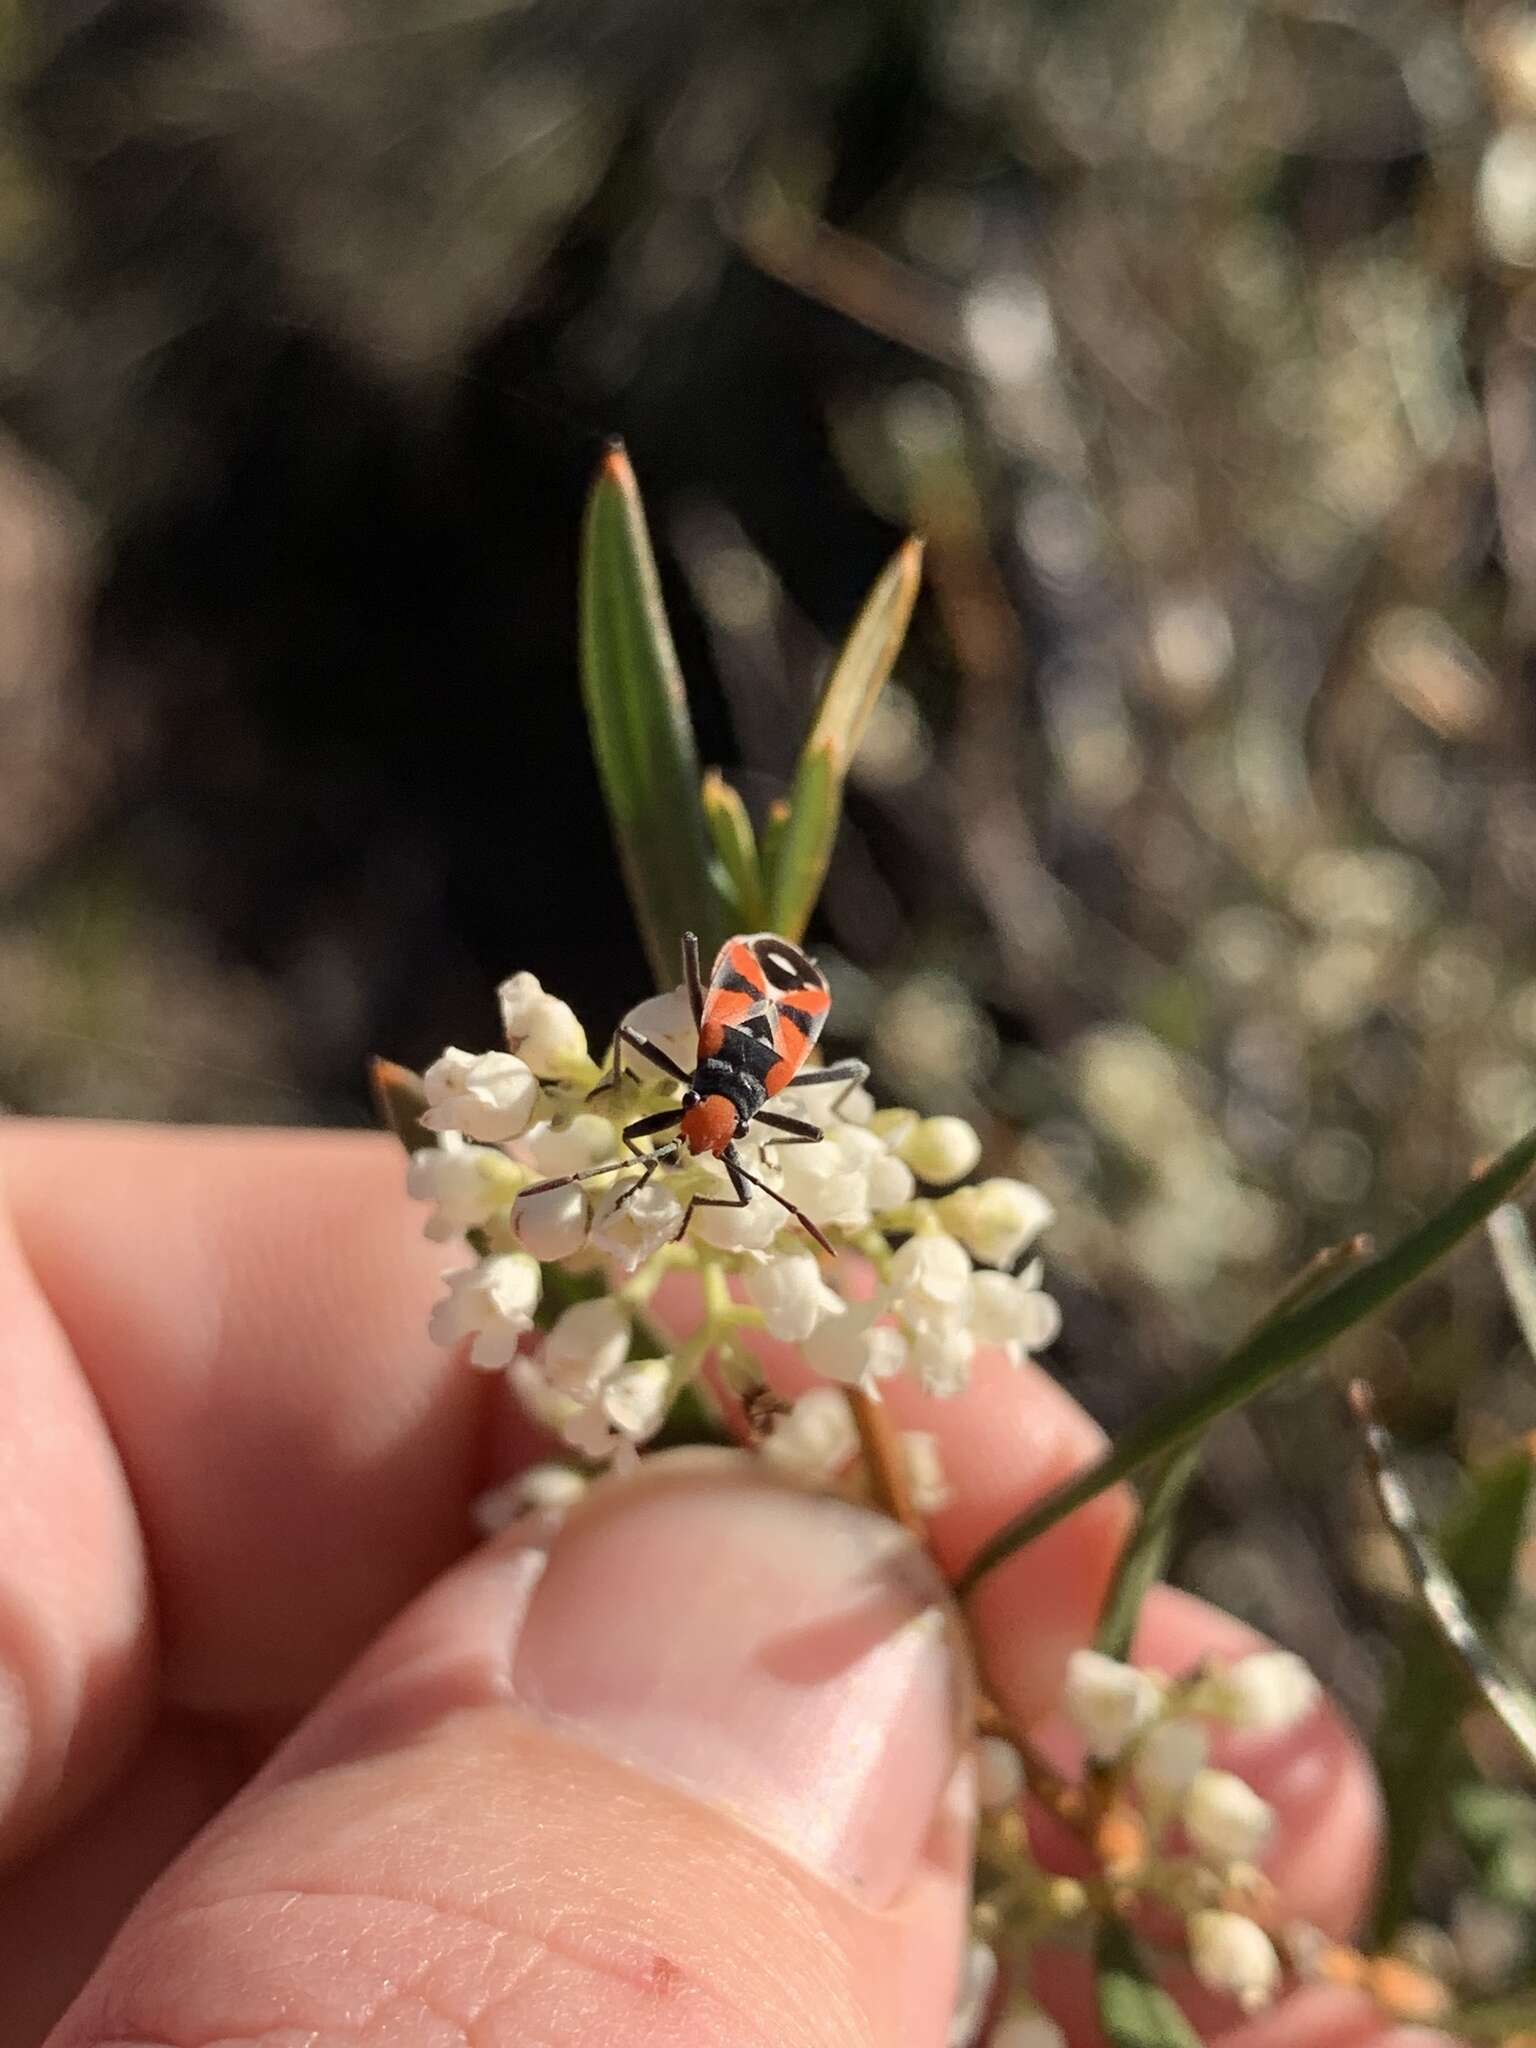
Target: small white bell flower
(541, 1490)
(1266, 1693)
(466, 1184)
(926, 1483)
(852, 1346)
(631, 1227)
(551, 1224)
(1232, 1955)
(941, 1150)
(586, 1347)
(999, 1774)
(1012, 1313)
(493, 1303)
(491, 1096)
(821, 1180)
(940, 1353)
(636, 1400)
(1166, 1759)
(667, 1021)
(815, 1440)
(889, 1183)
(791, 1294)
(996, 1219)
(1225, 1819)
(1108, 1702)
(931, 1278)
(751, 1228)
(541, 1030)
(552, 1149)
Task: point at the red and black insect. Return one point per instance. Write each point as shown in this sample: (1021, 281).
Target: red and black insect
(757, 1021)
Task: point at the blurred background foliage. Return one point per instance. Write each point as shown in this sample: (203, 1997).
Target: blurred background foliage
(1194, 852)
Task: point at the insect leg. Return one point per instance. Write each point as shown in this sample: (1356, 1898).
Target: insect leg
(646, 1127)
(852, 1073)
(737, 1200)
(739, 1173)
(693, 977)
(796, 1130)
(648, 1050)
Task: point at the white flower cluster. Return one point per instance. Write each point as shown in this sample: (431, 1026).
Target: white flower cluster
(1150, 1728)
(942, 1261)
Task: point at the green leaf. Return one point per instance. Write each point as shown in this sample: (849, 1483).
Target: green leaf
(1142, 1561)
(796, 858)
(637, 712)
(736, 843)
(1510, 1236)
(1478, 1543)
(1134, 2010)
(1274, 1349)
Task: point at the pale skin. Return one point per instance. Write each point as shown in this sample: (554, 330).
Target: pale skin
(232, 1467)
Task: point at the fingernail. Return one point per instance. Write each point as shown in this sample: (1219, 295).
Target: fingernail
(785, 1657)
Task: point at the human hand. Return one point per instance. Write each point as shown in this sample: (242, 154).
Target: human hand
(688, 1769)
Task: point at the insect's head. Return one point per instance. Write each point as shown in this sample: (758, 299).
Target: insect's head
(709, 1122)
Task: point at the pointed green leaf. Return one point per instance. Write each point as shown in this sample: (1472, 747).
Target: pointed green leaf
(642, 737)
(1275, 1348)
(1134, 2010)
(795, 861)
(1145, 1555)
(736, 843)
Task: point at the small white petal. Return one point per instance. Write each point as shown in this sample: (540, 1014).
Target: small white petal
(789, 1291)
(926, 1482)
(1108, 1702)
(1232, 1954)
(492, 1303)
(821, 1180)
(853, 1347)
(1266, 1693)
(466, 1184)
(752, 1228)
(541, 1029)
(552, 1149)
(1167, 1757)
(999, 1774)
(636, 1400)
(815, 1440)
(551, 1224)
(890, 1183)
(666, 1021)
(996, 1219)
(1225, 1819)
(587, 1345)
(940, 1353)
(931, 1275)
(491, 1096)
(631, 1227)
(941, 1150)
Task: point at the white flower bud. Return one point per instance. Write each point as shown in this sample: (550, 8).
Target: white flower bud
(1167, 1757)
(978, 1977)
(1265, 1693)
(999, 1774)
(1108, 1702)
(636, 1400)
(821, 1180)
(466, 1184)
(541, 1029)
(941, 1150)
(853, 1347)
(931, 1276)
(541, 1490)
(815, 1440)
(940, 1353)
(1012, 1313)
(889, 1183)
(551, 1224)
(587, 1345)
(666, 1021)
(1232, 1955)
(490, 1096)
(789, 1291)
(552, 1149)
(996, 1219)
(1031, 2029)
(926, 1482)
(1225, 1820)
(631, 1230)
(493, 1303)
(751, 1228)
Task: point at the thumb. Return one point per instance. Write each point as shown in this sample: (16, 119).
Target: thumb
(684, 1768)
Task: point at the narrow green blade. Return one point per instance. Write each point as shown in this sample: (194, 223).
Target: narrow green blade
(642, 738)
(736, 843)
(1275, 1348)
(1142, 1561)
(1134, 2010)
(796, 860)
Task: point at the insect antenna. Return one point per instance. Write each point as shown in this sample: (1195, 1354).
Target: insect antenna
(784, 1202)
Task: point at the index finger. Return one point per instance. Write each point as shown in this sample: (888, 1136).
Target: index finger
(232, 1450)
